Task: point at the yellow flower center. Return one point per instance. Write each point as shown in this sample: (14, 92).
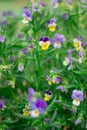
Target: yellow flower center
(47, 97)
(77, 46)
(26, 113)
(52, 28)
(36, 112)
(77, 100)
(45, 46)
(49, 82)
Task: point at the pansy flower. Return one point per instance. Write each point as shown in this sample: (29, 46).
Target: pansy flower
(52, 24)
(2, 39)
(48, 95)
(77, 97)
(37, 107)
(68, 62)
(55, 3)
(44, 42)
(58, 40)
(26, 110)
(26, 15)
(77, 44)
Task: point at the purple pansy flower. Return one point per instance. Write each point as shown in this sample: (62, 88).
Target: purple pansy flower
(44, 42)
(2, 39)
(55, 3)
(26, 15)
(58, 40)
(52, 24)
(77, 96)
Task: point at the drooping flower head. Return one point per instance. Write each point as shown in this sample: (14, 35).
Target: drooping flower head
(2, 39)
(26, 15)
(48, 95)
(44, 42)
(2, 103)
(77, 96)
(52, 24)
(58, 40)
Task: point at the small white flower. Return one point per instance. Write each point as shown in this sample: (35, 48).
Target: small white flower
(57, 45)
(80, 60)
(34, 113)
(76, 102)
(53, 24)
(66, 61)
(20, 67)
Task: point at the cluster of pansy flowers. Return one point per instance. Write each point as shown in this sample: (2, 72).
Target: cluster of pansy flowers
(56, 42)
(53, 77)
(79, 45)
(36, 106)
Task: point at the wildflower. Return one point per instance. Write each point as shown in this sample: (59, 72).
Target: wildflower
(2, 103)
(61, 88)
(26, 15)
(20, 67)
(20, 36)
(25, 50)
(2, 39)
(53, 77)
(48, 95)
(44, 42)
(65, 16)
(68, 62)
(55, 3)
(46, 120)
(58, 40)
(42, 3)
(26, 110)
(74, 110)
(78, 121)
(77, 96)
(37, 107)
(77, 44)
(31, 93)
(52, 24)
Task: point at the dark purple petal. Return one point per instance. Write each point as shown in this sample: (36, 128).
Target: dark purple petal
(83, 44)
(41, 39)
(41, 103)
(46, 39)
